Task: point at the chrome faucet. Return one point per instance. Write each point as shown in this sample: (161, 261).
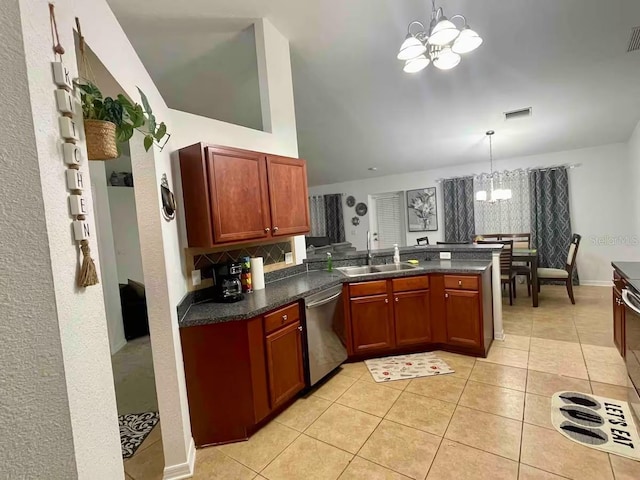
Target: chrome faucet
(369, 257)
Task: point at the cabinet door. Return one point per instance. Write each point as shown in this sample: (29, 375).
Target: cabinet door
(463, 318)
(238, 195)
(288, 195)
(412, 318)
(371, 323)
(618, 321)
(284, 363)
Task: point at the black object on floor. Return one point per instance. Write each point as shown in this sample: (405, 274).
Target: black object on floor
(134, 428)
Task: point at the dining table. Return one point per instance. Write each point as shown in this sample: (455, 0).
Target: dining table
(530, 257)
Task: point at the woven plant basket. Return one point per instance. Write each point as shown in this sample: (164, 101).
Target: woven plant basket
(101, 139)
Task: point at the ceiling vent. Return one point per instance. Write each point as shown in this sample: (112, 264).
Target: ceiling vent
(634, 41)
(521, 113)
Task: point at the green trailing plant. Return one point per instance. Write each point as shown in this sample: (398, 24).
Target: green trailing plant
(126, 116)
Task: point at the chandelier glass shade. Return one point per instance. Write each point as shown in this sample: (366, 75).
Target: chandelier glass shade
(494, 194)
(441, 44)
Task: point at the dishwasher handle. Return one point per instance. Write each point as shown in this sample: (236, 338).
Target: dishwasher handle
(626, 294)
(324, 301)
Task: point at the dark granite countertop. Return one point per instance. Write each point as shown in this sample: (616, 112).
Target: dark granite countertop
(290, 289)
(630, 271)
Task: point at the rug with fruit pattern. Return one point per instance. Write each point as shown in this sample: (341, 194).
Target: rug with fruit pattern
(404, 367)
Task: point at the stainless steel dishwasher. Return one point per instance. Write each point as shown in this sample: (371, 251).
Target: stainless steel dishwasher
(325, 332)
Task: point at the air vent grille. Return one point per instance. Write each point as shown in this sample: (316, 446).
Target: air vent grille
(521, 113)
(634, 41)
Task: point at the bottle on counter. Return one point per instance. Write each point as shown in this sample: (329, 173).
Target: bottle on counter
(329, 262)
(245, 277)
(396, 254)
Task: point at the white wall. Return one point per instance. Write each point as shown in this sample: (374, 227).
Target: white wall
(634, 165)
(599, 189)
(36, 439)
(126, 237)
(107, 256)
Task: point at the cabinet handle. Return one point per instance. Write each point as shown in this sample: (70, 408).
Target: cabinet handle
(386, 300)
(459, 283)
(397, 299)
(300, 327)
(446, 295)
(284, 317)
(267, 229)
(275, 229)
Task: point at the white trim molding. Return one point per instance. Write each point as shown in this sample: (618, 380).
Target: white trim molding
(182, 470)
(596, 283)
(498, 331)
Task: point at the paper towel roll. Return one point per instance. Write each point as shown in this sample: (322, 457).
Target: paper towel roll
(257, 273)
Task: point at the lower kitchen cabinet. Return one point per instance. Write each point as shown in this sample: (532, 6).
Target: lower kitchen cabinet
(240, 373)
(463, 318)
(618, 321)
(284, 363)
(412, 317)
(371, 323)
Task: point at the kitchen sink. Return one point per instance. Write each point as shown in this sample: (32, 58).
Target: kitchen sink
(375, 269)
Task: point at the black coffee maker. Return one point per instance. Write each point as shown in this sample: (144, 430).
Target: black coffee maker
(227, 285)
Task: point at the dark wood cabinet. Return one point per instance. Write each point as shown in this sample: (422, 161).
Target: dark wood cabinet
(238, 195)
(412, 317)
(288, 195)
(284, 363)
(232, 195)
(618, 321)
(371, 323)
(462, 313)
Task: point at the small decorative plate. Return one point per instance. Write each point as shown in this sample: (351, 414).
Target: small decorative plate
(355, 221)
(351, 201)
(361, 209)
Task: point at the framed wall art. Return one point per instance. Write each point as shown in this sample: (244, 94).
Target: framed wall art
(422, 210)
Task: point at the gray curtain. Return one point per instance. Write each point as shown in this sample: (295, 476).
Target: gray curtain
(459, 222)
(334, 218)
(550, 217)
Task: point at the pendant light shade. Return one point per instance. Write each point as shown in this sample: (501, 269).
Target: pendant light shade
(414, 65)
(411, 48)
(467, 41)
(481, 196)
(446, 59)
(443, 33)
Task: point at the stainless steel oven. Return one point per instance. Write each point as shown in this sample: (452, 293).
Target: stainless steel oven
(632, 346)
(326, 350)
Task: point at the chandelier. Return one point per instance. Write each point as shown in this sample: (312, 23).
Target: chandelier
(441, 44)
(496, 194)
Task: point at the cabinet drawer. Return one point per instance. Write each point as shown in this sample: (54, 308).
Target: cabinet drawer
(410, 283)
(367, 288)
(461, 282)
(280, 318)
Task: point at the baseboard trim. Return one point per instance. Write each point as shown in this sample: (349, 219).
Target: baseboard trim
(597, 283)
(182, 470)
(119, 346)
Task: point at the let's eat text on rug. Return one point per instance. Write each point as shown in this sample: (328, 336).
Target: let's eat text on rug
(596, 422)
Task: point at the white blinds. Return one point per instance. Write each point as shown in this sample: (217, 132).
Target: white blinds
(388, 211)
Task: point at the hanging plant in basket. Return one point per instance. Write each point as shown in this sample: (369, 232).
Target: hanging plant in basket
(109, 122)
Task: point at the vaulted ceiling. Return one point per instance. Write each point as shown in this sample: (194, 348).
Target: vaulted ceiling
(356, 108)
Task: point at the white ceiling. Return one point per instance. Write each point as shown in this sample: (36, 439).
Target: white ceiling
(356, 108)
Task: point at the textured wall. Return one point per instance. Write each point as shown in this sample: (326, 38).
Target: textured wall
(81, 312)
(36, 439)
(634, 161)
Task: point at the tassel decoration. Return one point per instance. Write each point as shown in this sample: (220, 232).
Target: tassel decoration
(88, 275)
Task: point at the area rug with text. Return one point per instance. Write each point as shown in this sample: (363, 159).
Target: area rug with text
(404, 367)
(596, 422)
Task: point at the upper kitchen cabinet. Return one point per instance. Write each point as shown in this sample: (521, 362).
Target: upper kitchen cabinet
(234, 196)
(288, 195)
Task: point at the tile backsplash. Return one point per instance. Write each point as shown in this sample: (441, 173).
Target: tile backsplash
(273, 253)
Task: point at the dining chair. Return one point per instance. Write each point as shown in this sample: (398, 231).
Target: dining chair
(520, 240)
(422, 241)
(453, 243)
(507, 274)
(565, 274)
(482, 237)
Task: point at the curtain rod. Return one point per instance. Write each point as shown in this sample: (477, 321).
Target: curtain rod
(568, 166)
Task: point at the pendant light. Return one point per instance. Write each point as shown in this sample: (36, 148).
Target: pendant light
(495, 194)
